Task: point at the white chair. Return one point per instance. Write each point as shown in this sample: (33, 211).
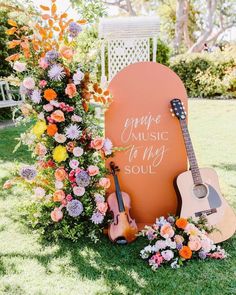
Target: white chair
(127, 40)
(8, 97)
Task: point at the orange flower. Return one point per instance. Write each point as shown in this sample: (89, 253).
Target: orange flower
(52, 129)
(60, 174)
(185, 252)
(58, 116)
(67, 52)
(181, 223)
(50, 94)
(71, 90)
(58, 196)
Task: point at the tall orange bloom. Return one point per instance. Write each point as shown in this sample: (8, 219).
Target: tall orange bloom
(52, 129)
(185, 252)
(49, 94)
(181, 223)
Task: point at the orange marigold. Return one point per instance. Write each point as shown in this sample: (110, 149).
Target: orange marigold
(52, 129)
(49, 94)
(181, 223)
(185, 252)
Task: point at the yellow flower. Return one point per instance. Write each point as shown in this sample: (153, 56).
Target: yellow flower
(39, 128)
(59, 154)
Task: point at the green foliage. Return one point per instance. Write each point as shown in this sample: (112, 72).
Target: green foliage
(5, 68)
(208, 74)
(163, 53)
(91, 10)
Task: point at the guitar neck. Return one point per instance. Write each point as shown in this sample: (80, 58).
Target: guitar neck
(118, 195)
(197, 179)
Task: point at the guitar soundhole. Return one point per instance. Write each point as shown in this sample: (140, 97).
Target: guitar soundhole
(200, 191)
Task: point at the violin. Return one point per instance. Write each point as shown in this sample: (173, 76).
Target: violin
(123, 228)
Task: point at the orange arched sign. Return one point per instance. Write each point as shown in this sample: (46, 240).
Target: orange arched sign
(139, 120)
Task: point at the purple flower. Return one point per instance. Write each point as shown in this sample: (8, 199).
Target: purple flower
(51, 55)
(202, 255)
(28, 172)
(74, 208)
(82, 178)
(36, 96)
(97, 217)
(171, 219)
(179, 246)
(56, 72)
(74, 29)
(73, 132)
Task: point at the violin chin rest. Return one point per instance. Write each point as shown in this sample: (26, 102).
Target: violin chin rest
(121, 241)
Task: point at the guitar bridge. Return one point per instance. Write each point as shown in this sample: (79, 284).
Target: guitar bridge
(206, 212)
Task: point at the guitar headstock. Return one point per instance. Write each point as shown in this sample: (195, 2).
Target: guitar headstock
(177, 109)
(114, 168)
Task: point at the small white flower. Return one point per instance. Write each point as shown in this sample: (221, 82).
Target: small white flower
(78, 77)
(73, 132)
(74, 164)
(78, 151)
(60, 138)
(59, 184)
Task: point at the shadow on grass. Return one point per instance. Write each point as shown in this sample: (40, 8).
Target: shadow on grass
(224, 166)
(8, 141)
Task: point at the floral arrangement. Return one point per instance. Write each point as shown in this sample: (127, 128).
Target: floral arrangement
(174, 241)
(68, 180)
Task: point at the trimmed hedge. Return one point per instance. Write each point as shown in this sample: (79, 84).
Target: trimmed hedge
(208, 74)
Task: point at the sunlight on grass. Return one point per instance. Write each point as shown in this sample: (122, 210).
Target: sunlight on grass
(30, 268)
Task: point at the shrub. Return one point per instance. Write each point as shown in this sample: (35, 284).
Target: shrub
(207, 74)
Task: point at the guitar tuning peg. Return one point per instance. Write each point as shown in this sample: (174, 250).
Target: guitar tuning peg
(171, 110)
(172, 115)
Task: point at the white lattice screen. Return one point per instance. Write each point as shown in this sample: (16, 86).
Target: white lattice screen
(128, 41)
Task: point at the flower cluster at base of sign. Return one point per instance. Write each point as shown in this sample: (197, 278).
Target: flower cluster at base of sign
(68, 180)
(174, 241)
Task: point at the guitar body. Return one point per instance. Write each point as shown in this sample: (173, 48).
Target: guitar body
(206, 198)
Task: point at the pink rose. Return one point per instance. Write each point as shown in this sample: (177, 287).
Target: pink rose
(178, 239)
(71, 90)
(42, 83)
(28, 83)
(102, 207)
(93, 170)
(40, 149)
(19, 66)
(167, 231)
(74, 164)
(104, 182)
(69, 197)
(58, 196)
(58, 116)
(43, 63)
(59, 184)
(7, 184)
(48, 107)
(107, 146)
(78, 191)
(56, 214)
(97, 143)
(194, 244)
(78, 151)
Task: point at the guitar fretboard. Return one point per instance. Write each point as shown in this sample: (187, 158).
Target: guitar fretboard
(197, 179)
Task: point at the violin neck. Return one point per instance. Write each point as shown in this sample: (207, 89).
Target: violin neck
(119, 195)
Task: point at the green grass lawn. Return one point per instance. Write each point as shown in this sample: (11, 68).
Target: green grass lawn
(28, 268)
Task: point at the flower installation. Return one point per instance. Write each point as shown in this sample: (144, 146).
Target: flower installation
(68, 179)
(174, 241)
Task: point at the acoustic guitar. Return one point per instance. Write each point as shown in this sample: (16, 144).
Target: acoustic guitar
(123, 228)
(199, 189)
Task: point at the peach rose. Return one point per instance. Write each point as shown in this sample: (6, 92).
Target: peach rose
(67, 52)
(167, 231)
(97, 143)
(7, 184)
(56, 214)
(58, 196)
(104, 182)
(102, 207)
(93, 170)
(195, 244)
(58, 116)
(179, 239)
(40, 149)
(71, 90)
(60, 174)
